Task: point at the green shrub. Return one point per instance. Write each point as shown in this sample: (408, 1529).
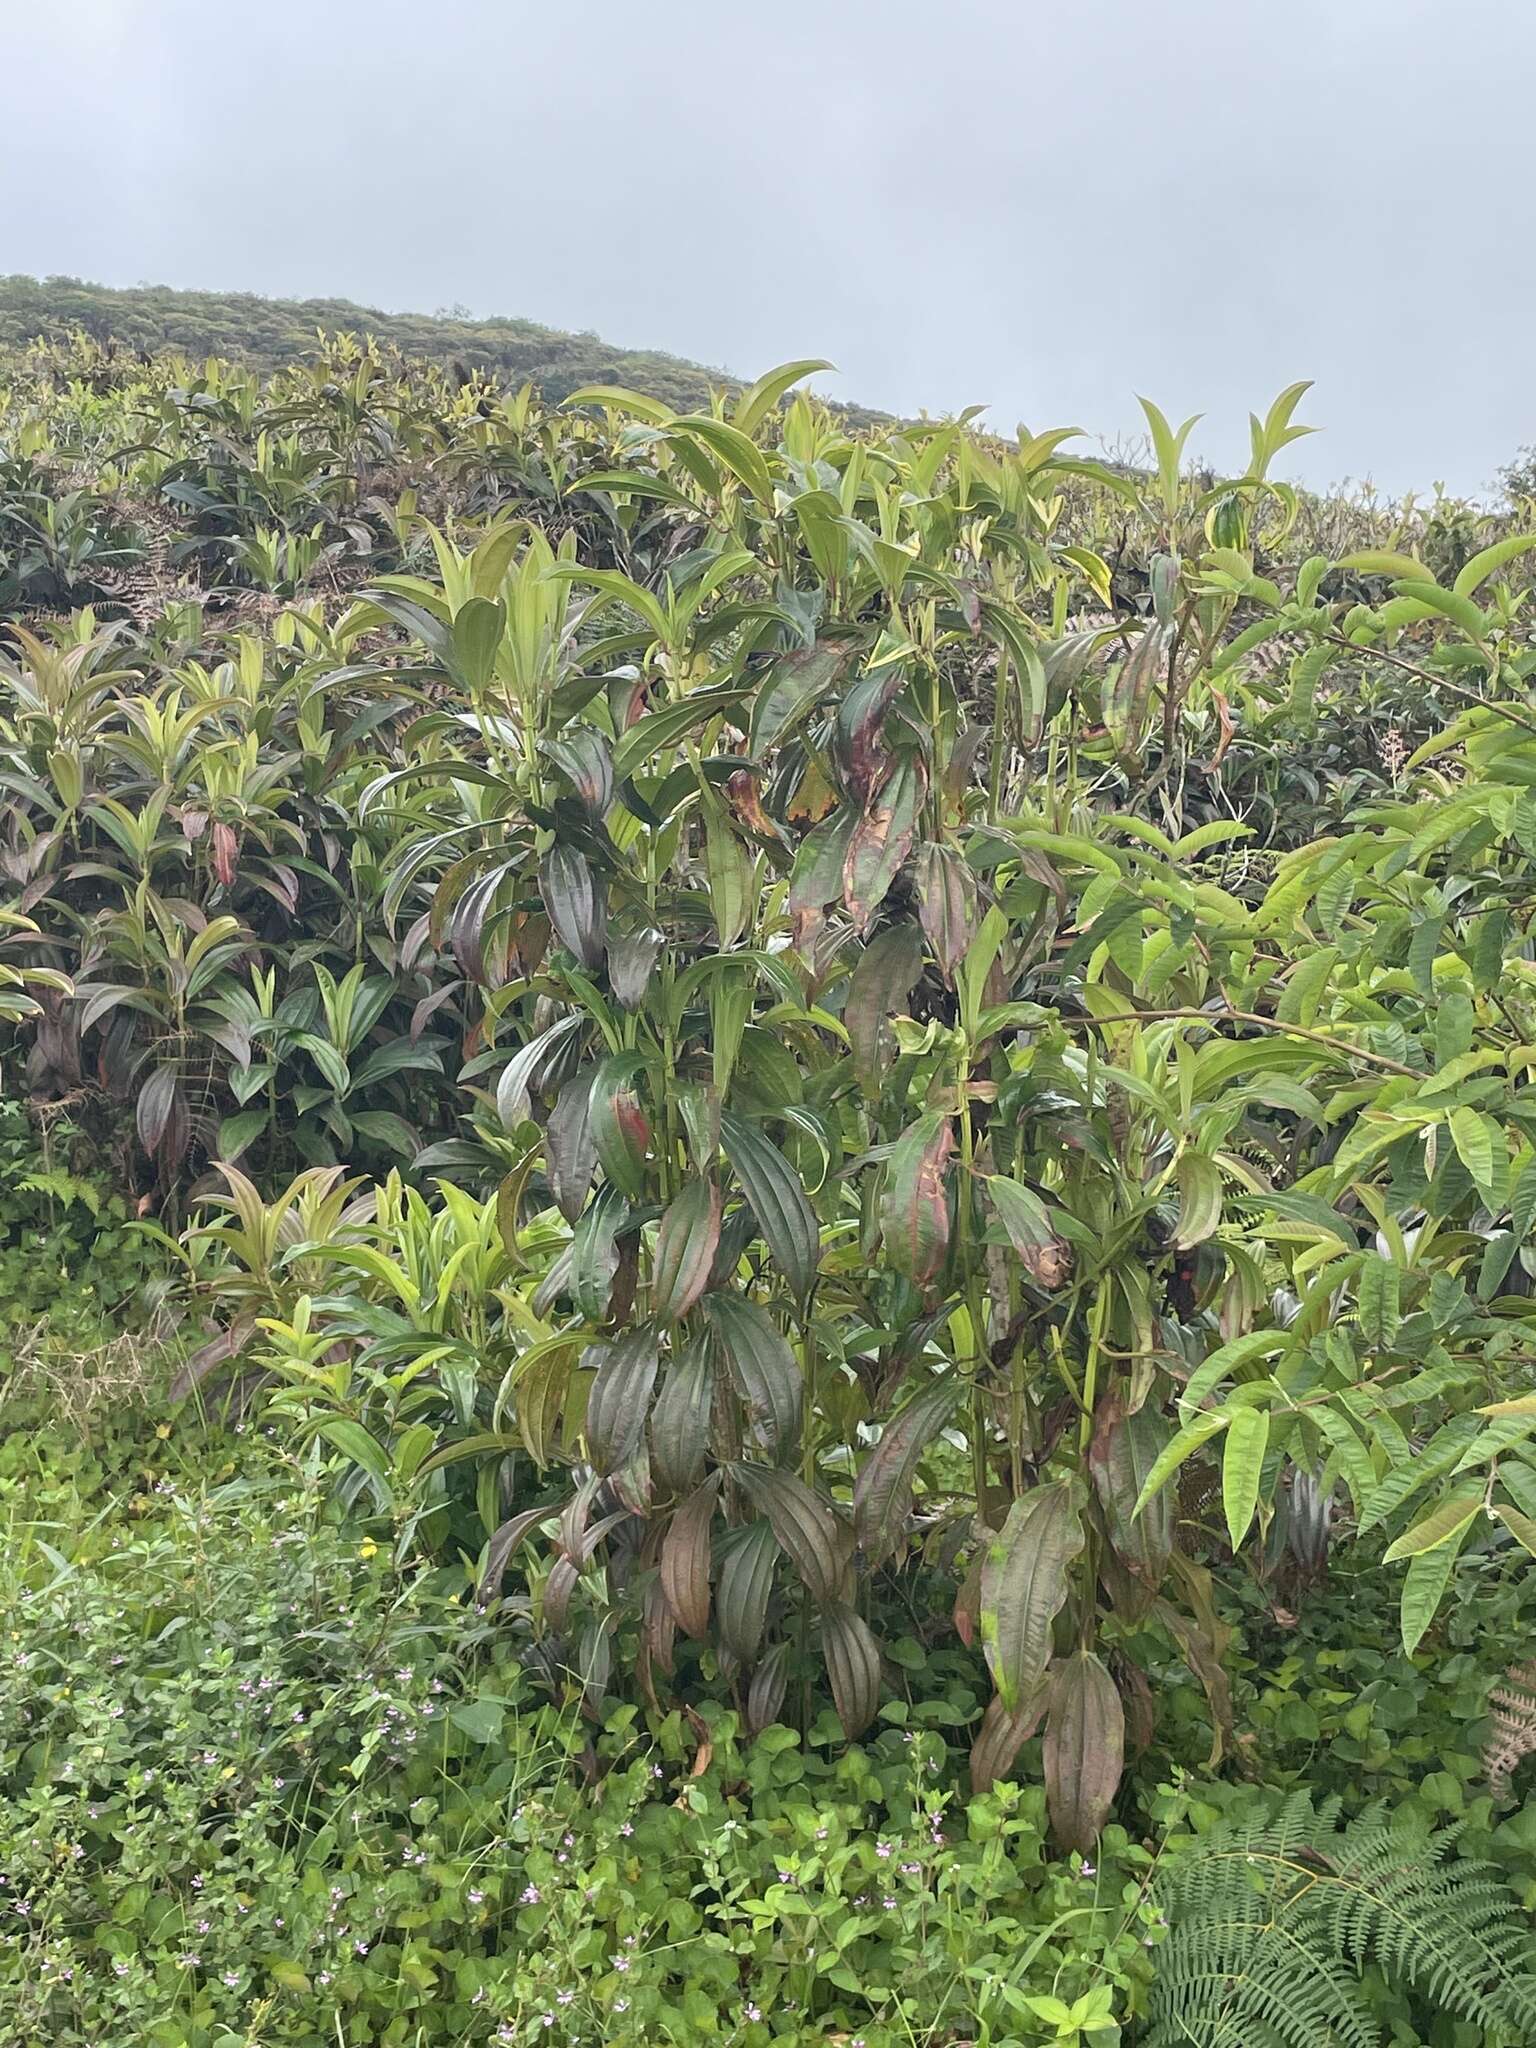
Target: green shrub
(920, 1150)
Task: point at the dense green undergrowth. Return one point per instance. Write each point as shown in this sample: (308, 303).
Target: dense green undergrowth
(260, 1787)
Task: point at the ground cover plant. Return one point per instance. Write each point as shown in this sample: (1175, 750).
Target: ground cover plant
(866, 1076)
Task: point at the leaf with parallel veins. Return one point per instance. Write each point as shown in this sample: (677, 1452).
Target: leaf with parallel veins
(619, 1400)
(914, 1213)
(762, 1365)
(1084, 1750)
(686, 1245)
(888, 970)
(803, 1524)
(1024, 1586)
(685, 1559)
(779, 1202)
(576, 904)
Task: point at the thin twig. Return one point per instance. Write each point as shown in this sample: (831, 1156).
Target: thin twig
(1429, 675)
(1215, 1017)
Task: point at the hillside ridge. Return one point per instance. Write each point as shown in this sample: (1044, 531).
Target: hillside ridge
(271, 332)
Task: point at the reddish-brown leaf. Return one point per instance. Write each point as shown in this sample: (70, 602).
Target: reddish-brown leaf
(685, 1558)
(224, 853)
(1003, 1734)
(1084, 1750)
(886, 974)
(881, 841)
(685, 1250)
(946, 895)
(853, 1666)
(914, 1215)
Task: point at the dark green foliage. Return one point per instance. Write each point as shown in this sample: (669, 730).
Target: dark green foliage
(70, 1255)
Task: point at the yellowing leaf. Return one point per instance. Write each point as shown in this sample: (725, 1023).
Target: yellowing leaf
(1440, 1526)
(1200, 1195)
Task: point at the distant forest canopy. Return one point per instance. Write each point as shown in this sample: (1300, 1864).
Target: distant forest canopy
(272, 332)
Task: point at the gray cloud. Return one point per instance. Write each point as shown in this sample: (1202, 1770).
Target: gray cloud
(1046, 208)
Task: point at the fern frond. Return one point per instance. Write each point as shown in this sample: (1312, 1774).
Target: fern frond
(62, 1187)
(1277, 1920)
(1512, 1731)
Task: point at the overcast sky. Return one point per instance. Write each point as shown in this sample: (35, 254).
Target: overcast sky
(1046, 208)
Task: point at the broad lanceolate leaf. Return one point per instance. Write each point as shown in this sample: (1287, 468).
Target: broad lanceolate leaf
(476, 639)
(765, 1695)
(881, 840)
(1024, 1586)
(1377, 1294)
(595, 1253)
(680, 1419)
(357, 1443)
(631, 962)
(1128, 692)
(759, 399)
(803, 1524)
(164, 1127)
(1046, 1255)
(1199, 1430)
(576, 904)
(685, 1558)
(1424, 1585)
(527, 1067)
(741, 1596)
(762, 1365)
(778, 1201)
(1441, 1525)
(795, 683)
(860, 718)
(498, 1551)
(1521, 1526)
(882, 1492)
(729, 868)
(1003, 1734)
(1242, 1462)
(946, 895)
(570, 1155)
(620, 1398)
(1123, 1451)
(887, 972)
(664, 728)
(853, 1666)
(914, 1211)
(1479, 1142)
(1200, 1194)
(818, 871)
(585, 758)
(1084, 1750)
(620, 1129)
(686, 1245)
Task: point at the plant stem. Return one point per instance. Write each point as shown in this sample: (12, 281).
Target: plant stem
(1228, 1016)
